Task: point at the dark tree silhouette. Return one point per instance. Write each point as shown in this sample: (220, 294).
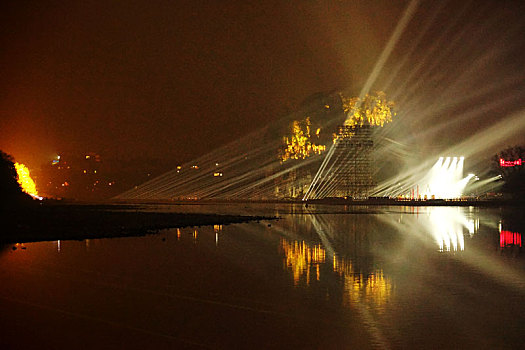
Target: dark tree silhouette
(9, 186)
(10, 191)
(514, 176)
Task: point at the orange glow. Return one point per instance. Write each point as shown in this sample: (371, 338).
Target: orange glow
(24, 179)
(299, 257)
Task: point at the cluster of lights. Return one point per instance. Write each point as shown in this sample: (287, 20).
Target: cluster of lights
(299, 145)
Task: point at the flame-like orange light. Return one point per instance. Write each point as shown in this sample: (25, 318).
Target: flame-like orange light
(24, 179)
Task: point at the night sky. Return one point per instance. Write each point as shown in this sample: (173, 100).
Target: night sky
(176, 79)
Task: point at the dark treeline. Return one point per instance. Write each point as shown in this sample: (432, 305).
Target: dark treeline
(11, 195)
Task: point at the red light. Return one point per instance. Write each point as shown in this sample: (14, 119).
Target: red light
(509, 163)
(509, 238)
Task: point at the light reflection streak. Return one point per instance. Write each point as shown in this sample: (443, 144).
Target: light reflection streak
(447, 233)
(217, 229)
(508, 238)
(302, 259)
(446, 225)
(358, 288)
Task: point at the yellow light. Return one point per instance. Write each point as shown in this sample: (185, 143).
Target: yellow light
(373, 108)
(298, 145)
(358, 288)
(24, 179)
(299, 257)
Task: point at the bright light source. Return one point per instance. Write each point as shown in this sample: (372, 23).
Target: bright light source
(444, 180)
(25, 181)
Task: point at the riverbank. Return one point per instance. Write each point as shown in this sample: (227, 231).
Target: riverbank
(374, 201)
(79, 222)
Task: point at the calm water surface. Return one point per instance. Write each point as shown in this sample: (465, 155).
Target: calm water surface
(322, 277)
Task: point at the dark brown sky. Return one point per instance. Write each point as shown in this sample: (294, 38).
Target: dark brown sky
(174, 79)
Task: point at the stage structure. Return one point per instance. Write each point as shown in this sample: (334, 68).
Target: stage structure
(351, 174)
(347, 168)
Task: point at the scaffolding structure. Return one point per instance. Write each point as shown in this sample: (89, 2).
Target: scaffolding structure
(351, 171)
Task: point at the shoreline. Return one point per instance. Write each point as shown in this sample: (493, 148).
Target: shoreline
(63, 220)
(90, 221)
(339, 201)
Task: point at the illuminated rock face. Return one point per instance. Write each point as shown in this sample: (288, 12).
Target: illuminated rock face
(24, 179)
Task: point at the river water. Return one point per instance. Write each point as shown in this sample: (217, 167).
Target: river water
(320, 277)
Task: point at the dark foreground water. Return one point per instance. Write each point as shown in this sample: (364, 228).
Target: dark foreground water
(320, 277)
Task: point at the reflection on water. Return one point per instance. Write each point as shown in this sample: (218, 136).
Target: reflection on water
(301, 259)
(447, 225)
(319, 277)
(304, 260)
(217, 229)
(507, 239)
(349, 245)
(358, 288)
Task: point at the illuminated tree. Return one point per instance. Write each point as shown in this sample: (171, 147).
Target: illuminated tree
(375, 109)
(299, 144)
